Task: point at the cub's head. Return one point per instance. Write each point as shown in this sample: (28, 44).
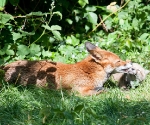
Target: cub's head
(108, 60)
(138, 71)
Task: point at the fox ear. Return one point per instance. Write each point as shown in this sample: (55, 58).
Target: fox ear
(93, 50)
(89, 46)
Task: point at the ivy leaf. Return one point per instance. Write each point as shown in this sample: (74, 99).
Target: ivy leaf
(90, 8)
(135, 23)
(147, 48)
(108, 23)
(55, 27)
(22, 50)
(2, 4)
(35, 50)
(69, 21)
(57, 35)
(121, 22)
(144, 36)
(24, 33)
(46, 53)
(82, 3)
(6, 49)
(58, 13)
(72, 40)
(10, 52)
(92, 17)
(87, 27)
(46, 27)
(20, 57)
(16, 36)
(2, 52)
(4, 18)
(128, 43)
(122, 15)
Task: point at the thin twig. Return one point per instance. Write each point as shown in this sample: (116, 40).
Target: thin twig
(103, 24)
(24, 24)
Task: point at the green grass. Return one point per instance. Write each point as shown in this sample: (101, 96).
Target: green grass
(36, 106)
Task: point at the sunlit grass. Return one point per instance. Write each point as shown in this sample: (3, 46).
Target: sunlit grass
(36, 106)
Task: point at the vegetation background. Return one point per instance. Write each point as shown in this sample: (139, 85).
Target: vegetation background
(56, 30)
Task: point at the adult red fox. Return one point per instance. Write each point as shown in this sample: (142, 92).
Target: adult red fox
(85, 77)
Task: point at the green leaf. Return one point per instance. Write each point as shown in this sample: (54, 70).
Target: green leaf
(10, 52)
(122, 15)
(2, 52)
(14, 2)
(111, 38)
(147, 48)
(108, 23)
(69, 21)
(121, 22)
(144, 36)
(90, 8)
(2, 4)
(58, 13)
(92, 17)
(24, 33)
(77, 18)
(69, 40)
(20, 57)
(135, 23)
(46, 53)
(57, 35)
(87, 27)
(82, 3)
(22, 50)
(128, 43)
(4, 18)
(72, 40)
(35, 50)
(16, 36)
(75, 41)
(5, 50)
(79, 108)
(46, 27)
(55, 27)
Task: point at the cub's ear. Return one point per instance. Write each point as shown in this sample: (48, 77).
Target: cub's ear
(94, 51)
(147, 71)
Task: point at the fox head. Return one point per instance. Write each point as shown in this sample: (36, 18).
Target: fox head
(108, 60)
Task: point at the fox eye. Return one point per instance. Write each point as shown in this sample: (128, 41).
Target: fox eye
(118, 61)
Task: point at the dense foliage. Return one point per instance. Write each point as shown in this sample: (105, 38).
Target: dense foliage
(56, 30)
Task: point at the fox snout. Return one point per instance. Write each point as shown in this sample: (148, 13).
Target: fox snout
(123, 68)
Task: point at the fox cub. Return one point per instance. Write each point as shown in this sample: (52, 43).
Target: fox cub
(85, 77)
(134, 75)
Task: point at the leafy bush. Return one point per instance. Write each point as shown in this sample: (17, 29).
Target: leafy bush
(57, 30)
